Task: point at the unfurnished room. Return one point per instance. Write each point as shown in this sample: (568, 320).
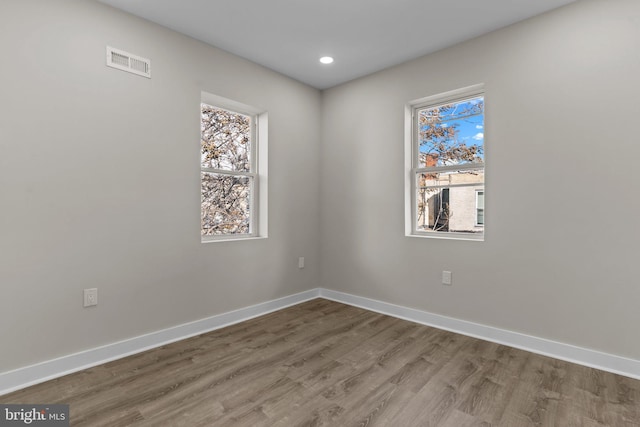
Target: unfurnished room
(340, 213)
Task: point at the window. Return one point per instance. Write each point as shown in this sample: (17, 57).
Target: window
(230, 170)
(445, 165)
(479, 208)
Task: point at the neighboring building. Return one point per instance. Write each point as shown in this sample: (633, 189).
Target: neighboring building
(451, 201)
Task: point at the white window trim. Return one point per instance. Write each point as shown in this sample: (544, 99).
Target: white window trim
(411, 154)
(259, 168)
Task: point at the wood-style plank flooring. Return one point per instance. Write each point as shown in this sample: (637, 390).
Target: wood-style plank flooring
(322, 363)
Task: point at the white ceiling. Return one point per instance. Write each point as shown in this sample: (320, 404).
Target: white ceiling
(364, 36)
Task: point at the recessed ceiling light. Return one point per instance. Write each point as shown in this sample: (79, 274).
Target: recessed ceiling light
(326, 60)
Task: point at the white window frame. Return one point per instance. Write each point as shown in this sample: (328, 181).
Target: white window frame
(258, 220)
(413, 168)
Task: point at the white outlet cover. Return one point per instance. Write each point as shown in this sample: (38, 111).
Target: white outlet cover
(90, 297)
(446, 278)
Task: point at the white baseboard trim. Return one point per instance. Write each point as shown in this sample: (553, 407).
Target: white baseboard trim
(48, 370)
(570, 353)
(41, 372)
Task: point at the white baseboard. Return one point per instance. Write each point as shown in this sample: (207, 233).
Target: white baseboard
(34, 374)
(50, 369)
(570, 353)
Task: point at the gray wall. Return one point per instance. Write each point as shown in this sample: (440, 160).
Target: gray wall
(559, 260)
(99, 182)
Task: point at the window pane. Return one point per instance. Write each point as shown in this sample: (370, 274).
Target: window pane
(446, 202)
(480, 216)
(225, 139)
(225, 204)
(451, 134)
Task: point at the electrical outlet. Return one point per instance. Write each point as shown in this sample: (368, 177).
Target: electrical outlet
(90, 297)
(301, 262)
(446, 278)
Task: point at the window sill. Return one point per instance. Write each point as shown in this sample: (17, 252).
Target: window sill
(219, 239)
(449, 236)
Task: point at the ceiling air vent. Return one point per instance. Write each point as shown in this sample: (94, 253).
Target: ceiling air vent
(127, 62)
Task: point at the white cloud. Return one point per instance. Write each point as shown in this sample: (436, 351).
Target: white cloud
(479, 127)
(479, 136)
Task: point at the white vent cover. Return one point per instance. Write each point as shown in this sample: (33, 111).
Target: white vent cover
(127, 62)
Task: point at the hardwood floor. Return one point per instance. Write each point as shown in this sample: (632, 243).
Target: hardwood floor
(322, 363)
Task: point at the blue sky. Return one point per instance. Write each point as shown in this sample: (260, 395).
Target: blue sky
(470, 128)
